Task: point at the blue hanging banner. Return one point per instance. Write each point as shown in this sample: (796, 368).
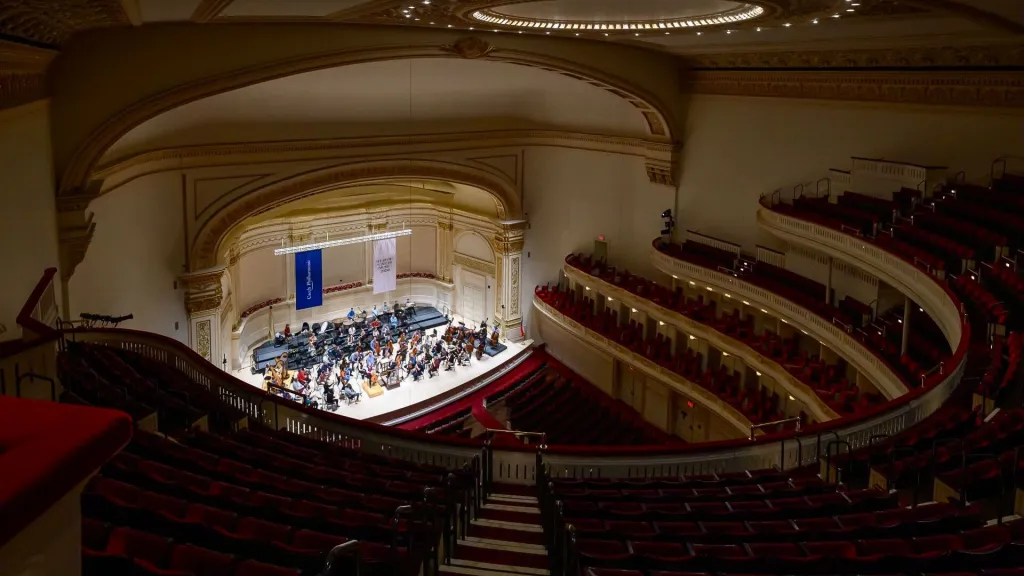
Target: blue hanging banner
(309, 279)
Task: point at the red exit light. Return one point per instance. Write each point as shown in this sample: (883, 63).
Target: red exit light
(689, 403)
(601, 237)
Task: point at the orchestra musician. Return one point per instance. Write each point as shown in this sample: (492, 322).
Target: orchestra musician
(494, 337)
(351, 314)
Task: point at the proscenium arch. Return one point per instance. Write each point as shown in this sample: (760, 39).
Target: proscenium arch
(78, 173)
(207, 247)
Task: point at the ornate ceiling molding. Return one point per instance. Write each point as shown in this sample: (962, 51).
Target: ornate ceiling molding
(22, 73)
(120, 171)
(487, 14)
(957, 89)
(984, 56)
(211, 234)
(82, 164)
(51, 22)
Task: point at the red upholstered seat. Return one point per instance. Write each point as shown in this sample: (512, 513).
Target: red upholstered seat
(139, 545)
(253, 568)
(200, 561)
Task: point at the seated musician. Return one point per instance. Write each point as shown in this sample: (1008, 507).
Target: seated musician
(385, 309)
(494, 337)
(417, 370)
(305, 328)
(302, 377)
(394, 321)
(287, 330)
(375, 311)
(350, 392)
(351, 314)
(323, 326)
(409, 308)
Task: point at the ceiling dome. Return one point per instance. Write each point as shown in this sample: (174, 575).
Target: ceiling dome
(617, 15)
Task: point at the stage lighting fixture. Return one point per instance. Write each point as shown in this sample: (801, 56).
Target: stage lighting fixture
(342, 242)
(667, 213)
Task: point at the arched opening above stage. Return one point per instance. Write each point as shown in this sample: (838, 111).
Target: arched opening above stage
(451, 267)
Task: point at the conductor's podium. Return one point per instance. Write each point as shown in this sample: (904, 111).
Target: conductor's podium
(372, 390)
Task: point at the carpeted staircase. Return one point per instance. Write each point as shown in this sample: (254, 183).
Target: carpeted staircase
(507, 539)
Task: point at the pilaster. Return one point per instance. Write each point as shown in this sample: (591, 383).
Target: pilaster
(508, 244)
(204, 301)
(75, 229)
(445, 248)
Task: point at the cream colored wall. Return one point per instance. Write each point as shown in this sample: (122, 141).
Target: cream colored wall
(98, 75)
(264, 276)
(28, 218)
(738, 148)
(572, 196)
(136, 257)
(345, 264)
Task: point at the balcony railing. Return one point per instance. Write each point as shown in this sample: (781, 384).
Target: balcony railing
(827, 331)
(802, 392)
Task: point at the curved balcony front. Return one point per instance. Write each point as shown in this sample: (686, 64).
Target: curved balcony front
(730, 415)
(866, 361)
(926, 290)
(800, 391)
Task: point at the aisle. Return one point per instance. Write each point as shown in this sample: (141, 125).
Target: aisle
(507, 539)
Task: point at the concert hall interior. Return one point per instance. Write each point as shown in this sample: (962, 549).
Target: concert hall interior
(511, 287)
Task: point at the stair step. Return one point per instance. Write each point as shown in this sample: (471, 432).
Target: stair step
(491, 532)
(510, 514)
(489, 554)
(509, 568)
(514, 489)
(452, 569)
(510, 525)
(513, 500)
(522, 546)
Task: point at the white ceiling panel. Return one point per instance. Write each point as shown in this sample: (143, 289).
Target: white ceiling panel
(167, 11)
(288, 8)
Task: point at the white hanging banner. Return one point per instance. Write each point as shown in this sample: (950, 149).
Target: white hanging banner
(384, 262)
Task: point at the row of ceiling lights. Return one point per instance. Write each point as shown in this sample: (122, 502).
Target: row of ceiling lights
(409, 13)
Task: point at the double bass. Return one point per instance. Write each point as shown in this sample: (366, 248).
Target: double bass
(480, 349)
(494, 338)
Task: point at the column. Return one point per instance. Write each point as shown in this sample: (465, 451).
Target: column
(907, 304)
(509, 250)
(235, 274)
(445, 248)
(204, 300)
(75, 230)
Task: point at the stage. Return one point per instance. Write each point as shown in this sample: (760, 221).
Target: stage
(415, 392)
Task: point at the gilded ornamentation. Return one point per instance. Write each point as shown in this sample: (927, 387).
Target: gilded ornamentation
(473, 264)
(470, 48)
(1000, 55)
(203, 340)
(203, 291)
(83, 162)
(514, 265)
(263, 199)
(991, 89)
(660, 175)
(52, 22)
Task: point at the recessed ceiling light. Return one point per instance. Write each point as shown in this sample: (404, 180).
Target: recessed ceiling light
(577, 33)
(849, 10)
(758, 28)
(409, 16)
(547, 32)
(431, 23)
(815, 21)
(634, 34)
(449, 25)
(667, 33)
(699, 33)
(426, 1)
(787, 24)
(605, 33)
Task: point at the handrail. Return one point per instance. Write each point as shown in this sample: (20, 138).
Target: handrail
(26, 317)
(522, 433)
(344, 549)
(753, 427)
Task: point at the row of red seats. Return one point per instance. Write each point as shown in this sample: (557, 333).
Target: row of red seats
(970, 550)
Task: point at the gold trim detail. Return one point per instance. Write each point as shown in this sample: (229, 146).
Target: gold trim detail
(23, 73)
(469, 48)
(85, 158)
(213, 231)
(475, 264)
(203, 340)
(987, 56)
(53, 22)
(968, 89)
(514, 265)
